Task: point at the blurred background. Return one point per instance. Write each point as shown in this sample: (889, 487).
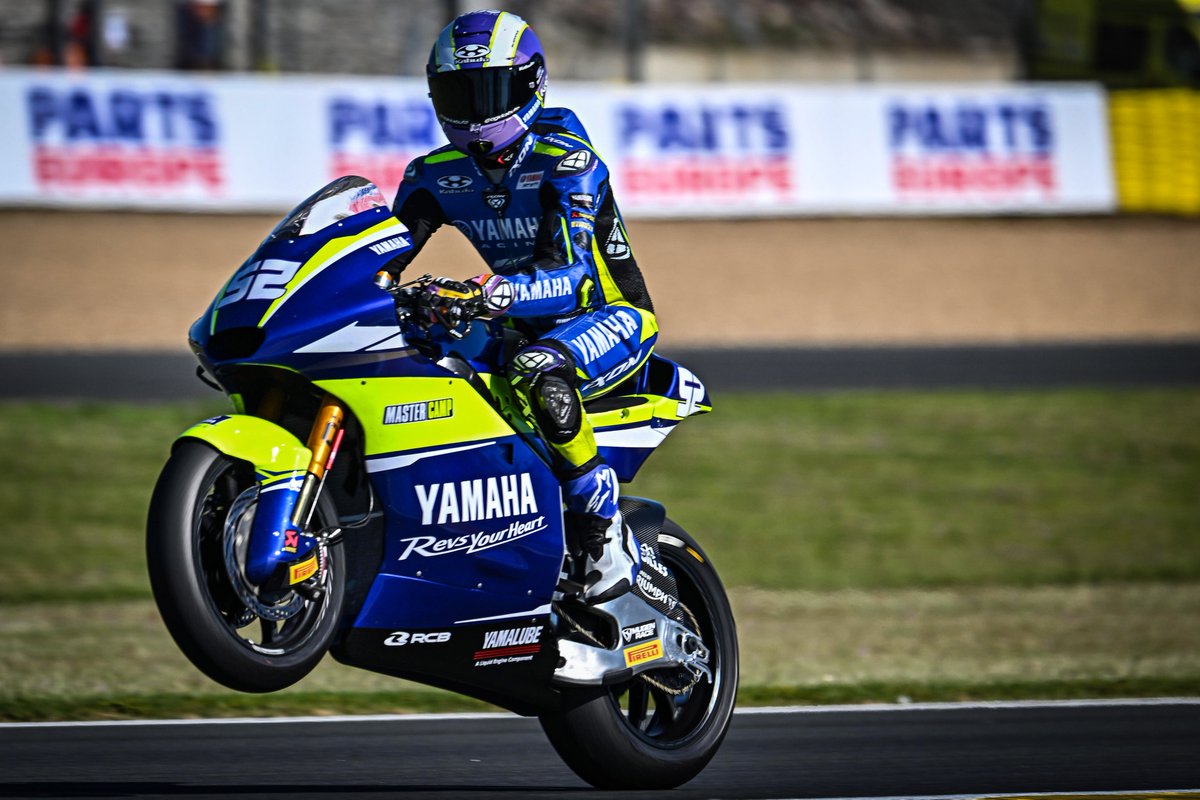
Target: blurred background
(1122, 42)
(1057, 120)
(937, 259)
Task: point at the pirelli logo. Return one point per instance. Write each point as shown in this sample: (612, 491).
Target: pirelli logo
(418, 412)
(302, 571)
(643, 652)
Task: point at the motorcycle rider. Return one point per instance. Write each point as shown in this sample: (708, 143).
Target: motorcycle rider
(524, 185)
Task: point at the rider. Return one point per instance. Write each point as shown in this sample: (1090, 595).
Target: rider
(524, 185)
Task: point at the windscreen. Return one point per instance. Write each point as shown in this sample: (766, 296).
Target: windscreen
(343, 198)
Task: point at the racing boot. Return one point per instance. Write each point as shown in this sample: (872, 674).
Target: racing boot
(612, 557)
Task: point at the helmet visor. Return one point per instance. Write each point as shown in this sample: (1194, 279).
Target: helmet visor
(476, 96)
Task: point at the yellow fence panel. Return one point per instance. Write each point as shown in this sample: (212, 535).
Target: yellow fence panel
(1155, 136)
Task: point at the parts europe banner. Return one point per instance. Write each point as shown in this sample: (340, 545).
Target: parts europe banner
(154, 141)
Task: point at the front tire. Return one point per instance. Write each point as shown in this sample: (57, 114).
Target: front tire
(186, 556)
(639, 735)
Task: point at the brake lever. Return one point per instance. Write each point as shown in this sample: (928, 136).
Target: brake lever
(411, 291)
(451, 326)
(385, 281)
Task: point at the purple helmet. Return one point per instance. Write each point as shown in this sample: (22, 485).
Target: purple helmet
(487, 80)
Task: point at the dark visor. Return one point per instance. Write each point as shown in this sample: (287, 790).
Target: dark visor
(482, 95)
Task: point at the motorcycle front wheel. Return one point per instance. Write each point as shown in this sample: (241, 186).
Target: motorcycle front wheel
(239, 638)
(655, 732)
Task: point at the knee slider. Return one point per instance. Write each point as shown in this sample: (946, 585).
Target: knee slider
(557, 408)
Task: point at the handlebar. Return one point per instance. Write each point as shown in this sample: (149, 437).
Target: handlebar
(423, 309)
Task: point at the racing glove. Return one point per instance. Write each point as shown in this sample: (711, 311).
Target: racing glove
(450, 301)
(497, 293)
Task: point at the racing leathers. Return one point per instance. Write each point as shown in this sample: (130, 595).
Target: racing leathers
(548, 225)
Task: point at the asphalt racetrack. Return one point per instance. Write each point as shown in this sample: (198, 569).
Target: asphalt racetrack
(155, 377)
(1128, 748)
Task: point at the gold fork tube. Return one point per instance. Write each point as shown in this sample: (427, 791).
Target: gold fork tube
(321, 441)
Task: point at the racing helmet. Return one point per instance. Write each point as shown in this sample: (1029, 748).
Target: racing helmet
(487, 80)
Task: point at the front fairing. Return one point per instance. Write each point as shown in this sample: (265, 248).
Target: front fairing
(305, 300)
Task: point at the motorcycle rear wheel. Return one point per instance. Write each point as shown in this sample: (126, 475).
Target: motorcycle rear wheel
(185, 555)
(637, 735)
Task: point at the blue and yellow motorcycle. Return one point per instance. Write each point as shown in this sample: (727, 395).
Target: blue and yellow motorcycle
(377, 493)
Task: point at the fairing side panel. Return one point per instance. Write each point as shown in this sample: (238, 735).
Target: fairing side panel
(633, 425)
(474, 515)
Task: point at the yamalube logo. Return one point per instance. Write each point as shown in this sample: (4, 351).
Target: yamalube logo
(512, 637)
(509, 646)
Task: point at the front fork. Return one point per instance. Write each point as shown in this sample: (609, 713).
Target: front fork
(283, 550)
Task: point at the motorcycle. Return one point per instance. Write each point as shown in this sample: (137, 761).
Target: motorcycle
(377, 493)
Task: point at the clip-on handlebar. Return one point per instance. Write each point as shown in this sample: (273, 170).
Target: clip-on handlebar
(418, 307)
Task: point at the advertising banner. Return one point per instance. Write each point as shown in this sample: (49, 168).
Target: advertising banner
(692, 151)
(228, 143)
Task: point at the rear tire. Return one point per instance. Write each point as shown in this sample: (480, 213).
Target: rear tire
(185, 555)
(637, 736)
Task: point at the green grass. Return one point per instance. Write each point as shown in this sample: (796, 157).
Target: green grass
(74, 503)
(785, 491)
(176, 706)
(931, 545)
(940, 489)
(114, 658)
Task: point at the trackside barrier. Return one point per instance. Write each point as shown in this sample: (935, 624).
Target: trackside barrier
(111, 138)
(1156, 149)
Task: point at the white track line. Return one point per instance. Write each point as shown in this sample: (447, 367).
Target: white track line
(842, 709)
(1165, 794)
(978, 704)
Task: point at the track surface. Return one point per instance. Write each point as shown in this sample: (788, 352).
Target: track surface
(845, 752)
(150, 377)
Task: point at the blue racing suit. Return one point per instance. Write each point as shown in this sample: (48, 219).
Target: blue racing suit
(550, 226)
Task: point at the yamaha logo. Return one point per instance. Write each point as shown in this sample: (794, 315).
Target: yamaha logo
(454, 181)
(472, 52)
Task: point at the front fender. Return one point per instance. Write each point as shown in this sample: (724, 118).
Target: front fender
(280, 462)
(273, 451)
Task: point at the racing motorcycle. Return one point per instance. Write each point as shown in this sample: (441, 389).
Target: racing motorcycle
(377, 493)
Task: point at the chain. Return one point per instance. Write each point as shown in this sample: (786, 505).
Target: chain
(657, 684)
